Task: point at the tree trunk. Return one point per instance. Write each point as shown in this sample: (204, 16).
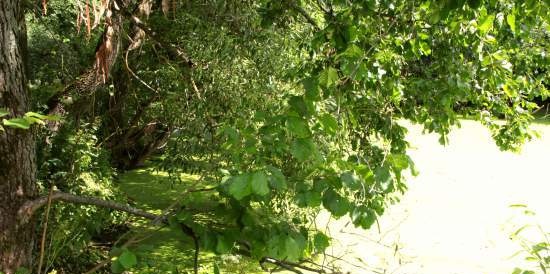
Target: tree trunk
(17, 148)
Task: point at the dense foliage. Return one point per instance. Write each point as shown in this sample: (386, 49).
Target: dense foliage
(284, 108)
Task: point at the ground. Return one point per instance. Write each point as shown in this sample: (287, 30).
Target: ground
(455, 219)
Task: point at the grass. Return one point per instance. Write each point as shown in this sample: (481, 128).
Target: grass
(169, 250)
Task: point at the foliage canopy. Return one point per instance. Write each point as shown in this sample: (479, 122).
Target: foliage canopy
(282, 107)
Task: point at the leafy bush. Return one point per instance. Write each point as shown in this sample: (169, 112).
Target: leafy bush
(77, 165)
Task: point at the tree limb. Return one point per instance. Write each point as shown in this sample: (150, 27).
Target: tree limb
(29, 208)
(173, 51)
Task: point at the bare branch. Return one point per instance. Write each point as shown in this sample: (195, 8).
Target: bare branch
(29, 208)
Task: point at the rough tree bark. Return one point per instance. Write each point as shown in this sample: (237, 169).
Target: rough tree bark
(17, 149)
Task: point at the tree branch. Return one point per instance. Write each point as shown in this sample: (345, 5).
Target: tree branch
(304, 13)
(173, 51)
(29, 208)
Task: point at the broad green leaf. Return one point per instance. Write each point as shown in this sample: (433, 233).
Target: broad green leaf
(277, 179)
(292, 249)
(127, 259)
(399, 161)
(311, 86)
(511, 20)
(313, 198)
(259, 183)
(329, 123)
(321, 242)
(350, 180)
(240, 186)
(17, 123)
(36, 115)
(425, 48)
(486, 24)
(383, 178)
(299, 105)
(233, 135)
(33, 120)
(328, 77)
(353, 52)
(363, 216)
(298, 127)
(303, 149)
(335, 203)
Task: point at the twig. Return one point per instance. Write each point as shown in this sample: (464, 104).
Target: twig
(44, 230)
(189, 231)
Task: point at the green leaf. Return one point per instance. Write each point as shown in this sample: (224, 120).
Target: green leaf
(298, 127)
(350, 180)
(311, 86)
(335, 203)
(223, 244)
(303, 149)
(363, 216)
(321, 242)
(127, 259)
(486, 24)
(353, 52)
(399, 161)
(259, 183)
(240, 186)
(33, 120)
(299, 105)
(511, 20)
(328, 77)
(277, 179)
(3, 112)
(383, 178)
(17, 123)
(329, 123)
(292, 249)
(36, 115)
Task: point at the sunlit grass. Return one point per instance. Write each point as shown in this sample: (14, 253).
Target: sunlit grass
(169, 250)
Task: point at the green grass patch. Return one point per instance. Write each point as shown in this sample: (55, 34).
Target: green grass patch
(167, 250)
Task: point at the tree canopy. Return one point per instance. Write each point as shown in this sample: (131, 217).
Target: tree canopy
(281, 108)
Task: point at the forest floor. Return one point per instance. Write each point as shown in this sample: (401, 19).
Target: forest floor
(455, 219)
